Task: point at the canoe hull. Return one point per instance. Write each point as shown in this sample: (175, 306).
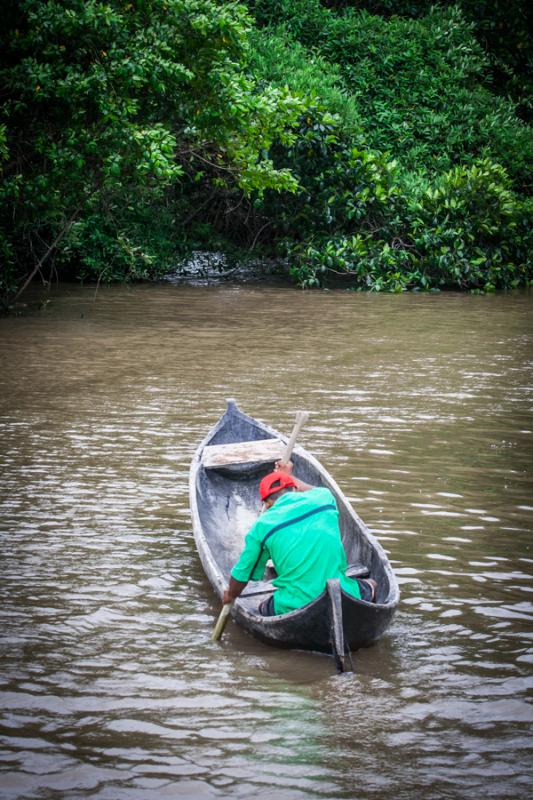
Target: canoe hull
(310, 628)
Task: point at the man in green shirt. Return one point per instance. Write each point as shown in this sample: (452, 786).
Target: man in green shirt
(299, 531)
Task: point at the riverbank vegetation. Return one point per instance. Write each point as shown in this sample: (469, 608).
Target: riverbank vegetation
(385, 145)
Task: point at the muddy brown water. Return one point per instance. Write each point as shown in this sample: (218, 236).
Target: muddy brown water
(110, 688)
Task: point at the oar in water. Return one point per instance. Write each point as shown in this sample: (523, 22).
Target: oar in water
(218, 630)
(301, 417)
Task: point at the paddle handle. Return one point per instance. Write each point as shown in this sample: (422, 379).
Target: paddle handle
(301, 418)
(218, 630)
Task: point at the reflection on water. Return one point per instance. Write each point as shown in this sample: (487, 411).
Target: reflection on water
(111, 689)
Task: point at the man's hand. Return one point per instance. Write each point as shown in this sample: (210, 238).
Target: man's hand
(233, 590)
(283, 466)
(286, 466)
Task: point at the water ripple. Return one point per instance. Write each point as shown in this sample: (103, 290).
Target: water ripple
(110, 686)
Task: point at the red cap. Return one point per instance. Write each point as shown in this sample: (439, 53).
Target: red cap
(274, 482)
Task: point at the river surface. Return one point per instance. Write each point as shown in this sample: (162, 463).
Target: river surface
(421, 408)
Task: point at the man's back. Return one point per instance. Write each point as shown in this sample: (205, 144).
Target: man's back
(300, 533)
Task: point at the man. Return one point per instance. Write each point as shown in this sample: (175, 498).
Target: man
(299, 531)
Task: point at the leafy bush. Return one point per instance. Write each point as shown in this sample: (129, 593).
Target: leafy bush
(502, 27)
(121, 238)
(466, 231)
(418, 84)
(8, 272)
(276, 58)
(445, 216)
(342, 186)
(419, 87)
(111, 102)
(362, 261)
(370, 146)
(305, 19)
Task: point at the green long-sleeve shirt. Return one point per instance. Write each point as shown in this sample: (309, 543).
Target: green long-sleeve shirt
(300, 533)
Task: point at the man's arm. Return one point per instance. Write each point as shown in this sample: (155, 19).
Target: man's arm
(233, 590)
(250, 566)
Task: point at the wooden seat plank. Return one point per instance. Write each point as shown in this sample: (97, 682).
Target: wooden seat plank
(262, 451)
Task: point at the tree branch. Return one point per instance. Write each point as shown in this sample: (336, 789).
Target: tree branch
(52, 247)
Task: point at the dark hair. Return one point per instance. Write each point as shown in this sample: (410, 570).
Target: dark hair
(277, 494)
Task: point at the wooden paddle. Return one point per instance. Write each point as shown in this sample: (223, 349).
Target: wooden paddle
(301, 418)
(218, 630)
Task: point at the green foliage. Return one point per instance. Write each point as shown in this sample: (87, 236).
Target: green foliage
(342, 183)
(502, 27)
(466, 230)
(7, 271)
(277, 59)
(365, 144)
(342, 186)
(418, 84)
(362, 261)
(447, 215)
(305, 19)
(108, 101)
(115, 240)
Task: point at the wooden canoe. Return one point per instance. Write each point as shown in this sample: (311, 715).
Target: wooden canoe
(224, 478)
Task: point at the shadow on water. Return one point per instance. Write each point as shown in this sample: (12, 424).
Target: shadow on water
(111, 688)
